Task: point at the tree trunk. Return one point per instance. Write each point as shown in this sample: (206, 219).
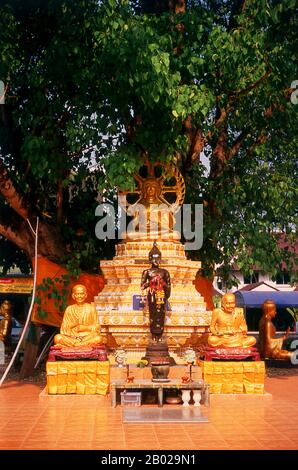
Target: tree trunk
(30, 353)
(17, 223)
(50, 242)
(162, 6)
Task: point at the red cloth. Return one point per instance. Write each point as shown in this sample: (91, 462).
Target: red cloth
(237, 354)
(67, 354)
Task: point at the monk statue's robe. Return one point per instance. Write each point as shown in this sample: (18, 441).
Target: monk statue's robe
(228, 326)
(270, 346)
(6, 322)
(80, 327)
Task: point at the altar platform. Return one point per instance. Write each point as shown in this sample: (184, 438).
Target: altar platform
(234, 377)
(78, 377)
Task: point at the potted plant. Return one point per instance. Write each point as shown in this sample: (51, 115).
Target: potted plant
(142, 363)
(216, 301)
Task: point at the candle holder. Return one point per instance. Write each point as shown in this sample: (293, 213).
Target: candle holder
(190, 370)
(129, 378)
(190, 357)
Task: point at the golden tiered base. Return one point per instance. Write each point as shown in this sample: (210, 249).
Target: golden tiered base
(78, 377)
(234, 377)
(129, 328)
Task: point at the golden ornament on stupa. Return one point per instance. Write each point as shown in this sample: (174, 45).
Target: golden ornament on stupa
(159, 193)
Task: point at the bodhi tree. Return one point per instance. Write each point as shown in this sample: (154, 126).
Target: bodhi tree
(92, 88)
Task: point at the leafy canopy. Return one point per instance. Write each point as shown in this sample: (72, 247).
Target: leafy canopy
(96, 87)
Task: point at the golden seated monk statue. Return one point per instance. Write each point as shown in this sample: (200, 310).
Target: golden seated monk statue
(6, 321)
(80, 326)
(271, 347)
(228, 326)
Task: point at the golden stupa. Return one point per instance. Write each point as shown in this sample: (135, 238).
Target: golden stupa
(187, 317)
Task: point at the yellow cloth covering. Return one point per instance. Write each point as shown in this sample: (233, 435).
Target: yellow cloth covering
(78, 377)
(234, 377)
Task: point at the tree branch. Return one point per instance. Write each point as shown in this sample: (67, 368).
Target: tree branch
(82, 150)
(220, 150)
(15, 229)
(59, 200)
(9, 192)
(196, 143)
(239, 6)
(236, 145)
(19, 235)
(253, 85)
(260, 140)
(223, 114)
(50, 241)
(262, 137)
(179, 6)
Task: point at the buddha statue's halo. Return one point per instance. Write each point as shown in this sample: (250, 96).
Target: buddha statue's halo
(152, 189)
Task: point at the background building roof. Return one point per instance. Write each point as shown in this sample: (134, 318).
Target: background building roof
(256, 299)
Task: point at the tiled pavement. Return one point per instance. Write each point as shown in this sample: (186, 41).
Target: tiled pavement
(26, 422)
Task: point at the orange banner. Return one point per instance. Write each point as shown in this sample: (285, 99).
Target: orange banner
(46, 269)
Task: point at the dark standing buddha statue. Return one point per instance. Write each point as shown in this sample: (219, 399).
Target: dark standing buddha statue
(157, 281)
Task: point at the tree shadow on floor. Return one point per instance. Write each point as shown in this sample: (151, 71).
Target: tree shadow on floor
(275, 368)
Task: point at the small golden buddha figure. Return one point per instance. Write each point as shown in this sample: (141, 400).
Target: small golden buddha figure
(6, 321)
(271, 347)
(80, 326)
(228, 326)
(152, 212)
